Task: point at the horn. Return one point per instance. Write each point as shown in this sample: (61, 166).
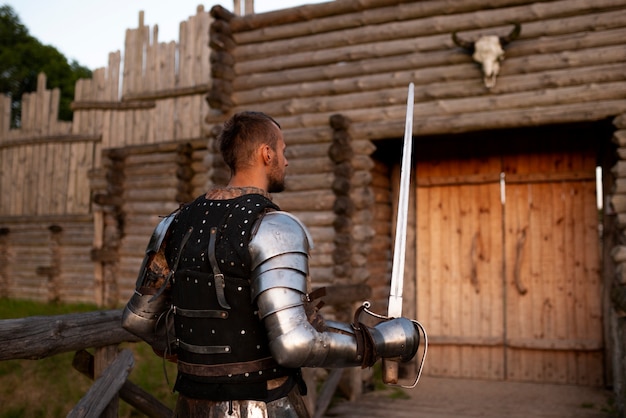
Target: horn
(462, 43)
(517, 29)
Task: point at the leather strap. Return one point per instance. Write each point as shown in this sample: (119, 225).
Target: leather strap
(204, 349)
(218, 277)
(214, 370)
(200, 313)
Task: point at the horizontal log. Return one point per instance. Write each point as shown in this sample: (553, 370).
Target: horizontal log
(620, 185)
(160, 147)
(37, 337)
(314, 165)
(307, 200)
(149, 208)
(619, 137)
(619, 169)
(129, 105)
(46, 139)
(302, 13)
(199, 89)
(146, 195)
(105, 387)
(314, 181)
(162, 158)
(620, 121)
(151, 182)
(146, 170)
(322, 218)
(618, 202)
(42, 221)
(496, 119)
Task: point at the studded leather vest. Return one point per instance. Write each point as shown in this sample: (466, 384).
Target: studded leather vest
(223, 351)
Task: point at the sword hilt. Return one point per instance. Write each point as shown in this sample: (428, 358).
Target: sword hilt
(390, 371)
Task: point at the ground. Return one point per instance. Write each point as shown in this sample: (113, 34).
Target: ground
(454, 398)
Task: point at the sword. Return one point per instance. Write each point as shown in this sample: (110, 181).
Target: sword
(394, 310)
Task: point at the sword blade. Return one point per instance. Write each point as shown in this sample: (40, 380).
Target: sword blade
(399, 252)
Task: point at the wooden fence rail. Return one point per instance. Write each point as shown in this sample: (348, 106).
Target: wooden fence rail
(38, 337)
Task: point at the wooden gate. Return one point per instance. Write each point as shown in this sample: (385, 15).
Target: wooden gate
(508, 259)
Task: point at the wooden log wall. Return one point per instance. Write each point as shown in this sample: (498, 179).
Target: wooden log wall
(615, 227)
(356, 58)
(51, 168)
(139, 186)
(47, 258)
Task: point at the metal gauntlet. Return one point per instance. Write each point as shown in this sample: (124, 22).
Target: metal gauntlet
(395, 338)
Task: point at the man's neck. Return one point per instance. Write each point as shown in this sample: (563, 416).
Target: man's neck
(231, 192)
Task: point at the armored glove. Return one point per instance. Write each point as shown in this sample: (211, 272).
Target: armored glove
(397, 338)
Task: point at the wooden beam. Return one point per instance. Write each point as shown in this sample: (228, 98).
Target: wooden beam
(37, 337)
(105, 387)
(497, 119)
(130, 393)
(34, 140)
(76, 106)
(166, 93)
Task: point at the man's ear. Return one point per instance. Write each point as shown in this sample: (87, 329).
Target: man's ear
(266, 153)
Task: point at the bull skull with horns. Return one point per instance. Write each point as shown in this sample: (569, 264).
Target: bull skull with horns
(488, 50)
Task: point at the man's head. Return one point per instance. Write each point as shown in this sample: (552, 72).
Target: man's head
(252, 142)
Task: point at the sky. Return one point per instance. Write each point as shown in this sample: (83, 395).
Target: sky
(88, 30)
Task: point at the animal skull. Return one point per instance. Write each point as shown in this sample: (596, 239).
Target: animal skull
(488, 51)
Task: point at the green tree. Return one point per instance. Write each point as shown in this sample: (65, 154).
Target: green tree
(22, 57)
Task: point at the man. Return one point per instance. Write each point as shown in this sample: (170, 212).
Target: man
(231, 269)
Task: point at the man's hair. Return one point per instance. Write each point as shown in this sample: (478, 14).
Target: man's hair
(242, 134)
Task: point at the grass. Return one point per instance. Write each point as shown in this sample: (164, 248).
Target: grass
(50, 387)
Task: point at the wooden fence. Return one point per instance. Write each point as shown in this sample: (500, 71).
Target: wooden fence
(38, 337)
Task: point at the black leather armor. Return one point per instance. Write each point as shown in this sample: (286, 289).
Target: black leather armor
(222, 345)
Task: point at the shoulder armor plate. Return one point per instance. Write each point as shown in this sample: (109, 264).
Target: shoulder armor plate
(154, 245)
(278, 233)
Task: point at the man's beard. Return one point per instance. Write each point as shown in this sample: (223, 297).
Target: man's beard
(276, 181)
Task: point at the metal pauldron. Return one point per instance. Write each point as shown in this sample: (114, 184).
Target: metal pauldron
(278, 233)
(145, 314)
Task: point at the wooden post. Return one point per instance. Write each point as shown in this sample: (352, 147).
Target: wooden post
(97, 401)
(103, 358)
